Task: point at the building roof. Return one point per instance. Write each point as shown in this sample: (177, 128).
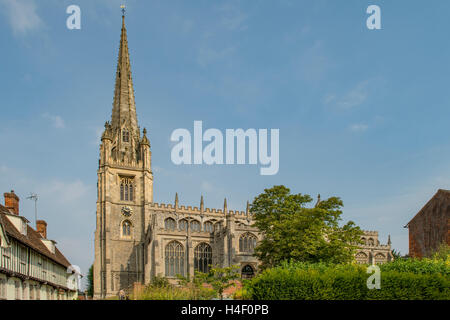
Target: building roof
(440, 192)
(32, 239)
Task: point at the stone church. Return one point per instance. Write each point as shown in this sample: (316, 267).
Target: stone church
(136, 238)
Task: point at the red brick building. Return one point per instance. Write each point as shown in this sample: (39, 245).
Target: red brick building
(430, 226)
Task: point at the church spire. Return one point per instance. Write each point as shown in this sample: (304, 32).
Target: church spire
(124, 108)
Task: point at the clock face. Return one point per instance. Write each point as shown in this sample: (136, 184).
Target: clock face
(127, 211)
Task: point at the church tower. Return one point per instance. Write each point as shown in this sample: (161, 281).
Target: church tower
(124, 189)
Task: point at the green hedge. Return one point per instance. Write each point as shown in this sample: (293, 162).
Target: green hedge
(348, 282)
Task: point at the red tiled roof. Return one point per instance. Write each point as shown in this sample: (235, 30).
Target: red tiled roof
(32, 239)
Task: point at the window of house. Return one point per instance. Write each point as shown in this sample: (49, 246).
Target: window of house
(38, 293)
(170, 224)
(24, 291)
(174, 259)
(247, 243)
(2, 289)
(17, 289)
(6, 257)
(23, 259)
(24, 228)
(127, 189)
(195, 226)
(202, 257)
(209, 227)
(32, 290)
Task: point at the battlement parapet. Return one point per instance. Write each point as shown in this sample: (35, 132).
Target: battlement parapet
(370, 233)
(195, 210)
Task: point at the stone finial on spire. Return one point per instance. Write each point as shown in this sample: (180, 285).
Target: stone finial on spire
(247, 209)
(318, 200)
(107, 132)
(225, 209)
(202, 204)
(389, 240)
(176, 200)
(144, 138)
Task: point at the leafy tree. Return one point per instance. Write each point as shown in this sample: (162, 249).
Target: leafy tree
(396, 254)
(442, 252)
(219, 278)
(194, 284)
(159, 282)
(293, 231)
(90, 279)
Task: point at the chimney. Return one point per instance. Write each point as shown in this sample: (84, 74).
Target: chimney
(12, 201)
(41, 228)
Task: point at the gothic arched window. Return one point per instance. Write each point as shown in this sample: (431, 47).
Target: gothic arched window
(362, 258)
(202, 257)
(125, 136)
(209, 227)
(170, 224)
(174, 259)
(127, 189)
(247, 243)
(182, 225)
(195, 226)
(380, 258)
(126, 228)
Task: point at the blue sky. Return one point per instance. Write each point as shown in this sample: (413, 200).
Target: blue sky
(362, 114)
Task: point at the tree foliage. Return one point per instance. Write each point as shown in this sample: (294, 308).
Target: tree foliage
(219, 278)
(292, 230)
(90, 280)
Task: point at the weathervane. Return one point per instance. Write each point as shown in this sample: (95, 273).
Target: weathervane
(123, 9)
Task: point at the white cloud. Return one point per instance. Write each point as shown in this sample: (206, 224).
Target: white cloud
(355, 96)
(3, 169)
(358, 127)
(208, 55)
(67, 192)
(329, 98)
(22, 15)
(207, 186)
(233, 18)
(56, 120)
(313, 63)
